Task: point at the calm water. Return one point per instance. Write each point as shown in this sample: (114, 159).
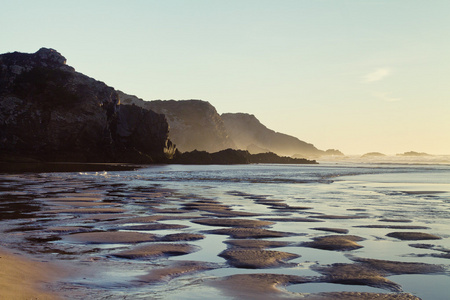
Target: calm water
(418, 193)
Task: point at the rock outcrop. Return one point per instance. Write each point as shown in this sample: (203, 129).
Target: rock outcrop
(231, 156)
(248, 133)
(194, 124)
(49, 112)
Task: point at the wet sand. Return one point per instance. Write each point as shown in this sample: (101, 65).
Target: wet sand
(136, 237)
(24, 278)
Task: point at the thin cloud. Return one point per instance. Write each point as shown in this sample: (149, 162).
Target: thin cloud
(377, 75)
(387, 97)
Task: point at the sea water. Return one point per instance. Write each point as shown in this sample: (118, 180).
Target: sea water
(415, 193)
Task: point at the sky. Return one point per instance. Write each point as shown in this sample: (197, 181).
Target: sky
(355, 75)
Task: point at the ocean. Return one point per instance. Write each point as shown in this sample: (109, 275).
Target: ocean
(369, 200)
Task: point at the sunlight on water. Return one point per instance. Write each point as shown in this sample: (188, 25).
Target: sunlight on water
(354, 197)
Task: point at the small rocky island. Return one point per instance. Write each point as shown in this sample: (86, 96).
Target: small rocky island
(373, 154)
(51, 113)
(413, 153)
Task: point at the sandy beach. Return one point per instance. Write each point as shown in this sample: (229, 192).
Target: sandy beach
(25, 278)
(104, 236)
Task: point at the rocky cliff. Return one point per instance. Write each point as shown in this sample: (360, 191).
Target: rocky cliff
(248, 133)
(194, 124)
(50, 112)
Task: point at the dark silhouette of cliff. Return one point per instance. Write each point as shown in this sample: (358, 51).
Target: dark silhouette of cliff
(194, 124)
(232, 156)
(49, 112)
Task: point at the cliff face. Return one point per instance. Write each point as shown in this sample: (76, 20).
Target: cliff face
(50, 112)
(249, 134)
(194, 124)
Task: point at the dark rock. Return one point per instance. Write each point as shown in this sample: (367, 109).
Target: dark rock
(49, 112)
(230, 156)
(194, 124)
(274, 158)
(147, 133)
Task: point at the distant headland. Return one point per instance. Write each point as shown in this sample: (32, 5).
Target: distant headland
(51, 113)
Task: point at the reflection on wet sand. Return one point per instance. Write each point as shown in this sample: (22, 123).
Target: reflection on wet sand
(127, 237)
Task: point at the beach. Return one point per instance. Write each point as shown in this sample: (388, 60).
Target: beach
(23, 278)
(227, 232)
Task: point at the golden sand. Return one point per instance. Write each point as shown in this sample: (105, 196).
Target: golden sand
(22, 278)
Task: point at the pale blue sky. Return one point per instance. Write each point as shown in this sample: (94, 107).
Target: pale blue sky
(359, 76)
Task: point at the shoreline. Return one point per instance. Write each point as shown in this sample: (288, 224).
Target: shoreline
(24, 278)
(201, 241)
(51, 167)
